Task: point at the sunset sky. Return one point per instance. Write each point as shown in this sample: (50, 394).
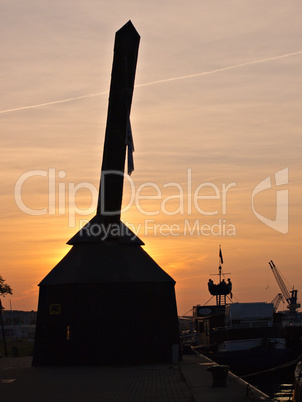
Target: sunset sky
(216, 112)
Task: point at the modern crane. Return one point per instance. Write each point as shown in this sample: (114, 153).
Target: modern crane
(289, 296)
(276, 301)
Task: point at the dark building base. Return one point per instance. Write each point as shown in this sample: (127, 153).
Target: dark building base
(104, 324)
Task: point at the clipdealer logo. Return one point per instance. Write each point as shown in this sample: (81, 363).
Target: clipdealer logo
(280, 223)
(186, 201)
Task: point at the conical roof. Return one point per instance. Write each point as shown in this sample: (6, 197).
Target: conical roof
(106, 262)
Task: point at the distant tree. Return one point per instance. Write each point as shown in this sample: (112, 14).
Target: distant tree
(4, 288)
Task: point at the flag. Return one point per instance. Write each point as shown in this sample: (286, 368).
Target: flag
(220, 255)
(130, 147)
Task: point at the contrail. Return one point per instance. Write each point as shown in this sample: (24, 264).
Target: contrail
(218, 70)
(183, 77)
(53, 102)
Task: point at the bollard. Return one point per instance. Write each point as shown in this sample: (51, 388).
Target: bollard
(219, 373)
(175, 353)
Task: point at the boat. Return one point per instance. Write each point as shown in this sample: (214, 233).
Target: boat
(241, 335)
(250, 338)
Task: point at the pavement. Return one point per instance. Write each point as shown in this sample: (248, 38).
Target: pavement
(187, 381)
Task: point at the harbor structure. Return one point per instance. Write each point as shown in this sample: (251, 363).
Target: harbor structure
(107, 301)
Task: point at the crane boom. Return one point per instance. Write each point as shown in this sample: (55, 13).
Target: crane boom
(276, 301)
(290, 297)
(280, 281)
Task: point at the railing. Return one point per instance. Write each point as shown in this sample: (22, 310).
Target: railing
(252, 324)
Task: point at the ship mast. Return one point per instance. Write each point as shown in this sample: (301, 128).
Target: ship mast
(222, 289)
